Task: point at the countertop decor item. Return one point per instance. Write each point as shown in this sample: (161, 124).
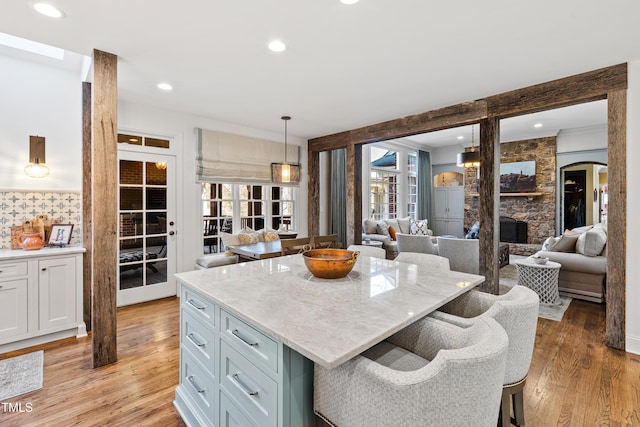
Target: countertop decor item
(30, 241)
(540, 259)
(330, 263)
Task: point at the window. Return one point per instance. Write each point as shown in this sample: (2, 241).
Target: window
(412, 185)
(383, 184)
(226, 207)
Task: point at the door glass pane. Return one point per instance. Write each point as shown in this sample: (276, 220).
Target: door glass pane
(154, 142)
(156, 247)
(130, 172)
(129, 139)
(130, 224)
(156, 198)
(130, 198)
(156, 222)
(131, 276)
(156, 173)
(156, 272)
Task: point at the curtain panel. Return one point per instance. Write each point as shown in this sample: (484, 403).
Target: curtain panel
(338, 212)
(230, 158)
(424, 182)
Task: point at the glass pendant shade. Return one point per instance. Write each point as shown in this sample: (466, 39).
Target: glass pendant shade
(36, 169)
(285, 172)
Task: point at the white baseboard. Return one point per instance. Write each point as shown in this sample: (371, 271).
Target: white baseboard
(633, 344)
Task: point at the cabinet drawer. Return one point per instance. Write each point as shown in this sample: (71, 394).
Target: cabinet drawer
(200, 340)
(249, 387)
(230, 415)
(256, 346)
(199, 387)
(13, 269)
(200, 306)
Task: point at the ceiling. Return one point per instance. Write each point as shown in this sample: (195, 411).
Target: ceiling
(345, 66)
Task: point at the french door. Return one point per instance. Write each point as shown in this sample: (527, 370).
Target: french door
(146, 227)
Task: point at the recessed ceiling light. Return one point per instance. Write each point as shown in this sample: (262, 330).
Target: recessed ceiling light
(48, 10)
(349, 1)
(165, 86)
(277, 46)
(461, 137)
(537, 125)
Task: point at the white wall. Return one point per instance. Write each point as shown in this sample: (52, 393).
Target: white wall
(146, 119)
(38, 99)
(633, 207)
(582, 139)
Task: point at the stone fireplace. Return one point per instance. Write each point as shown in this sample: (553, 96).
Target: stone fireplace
(536, 209)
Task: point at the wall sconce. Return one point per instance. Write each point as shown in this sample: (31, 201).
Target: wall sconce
(285, 173)
(36, 167)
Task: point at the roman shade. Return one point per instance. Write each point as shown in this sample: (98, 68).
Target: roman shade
(226, 157)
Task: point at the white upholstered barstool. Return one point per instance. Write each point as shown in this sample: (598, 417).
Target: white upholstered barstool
(517, 312)
(434, 261)
(432, 373)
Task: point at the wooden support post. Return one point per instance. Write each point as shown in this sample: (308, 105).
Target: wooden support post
(313, 201)
(354, 194)
(104, 184)
(86, 203)
(617, 220)
(489, 204)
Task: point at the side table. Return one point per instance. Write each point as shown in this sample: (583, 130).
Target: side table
(542, 278)
(374, 243)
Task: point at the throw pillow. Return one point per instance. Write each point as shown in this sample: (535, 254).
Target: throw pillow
(591, 243)
(383, 229)
(419, 227)
(229, 239)
(392, 223)
(567, 243)
(248, 238)
(404, 225)
(370, 226)
(270, 236)
(550, 243)
(473, 231)
(392, 232)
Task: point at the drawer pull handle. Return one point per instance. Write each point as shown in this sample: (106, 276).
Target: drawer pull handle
(243, 386)
(195, 385)
(244, 340)
(196, 304)
(195, 340)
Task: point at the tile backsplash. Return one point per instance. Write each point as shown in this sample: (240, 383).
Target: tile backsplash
(17, 207)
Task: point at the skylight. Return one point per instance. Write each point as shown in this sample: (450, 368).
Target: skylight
(31, 46)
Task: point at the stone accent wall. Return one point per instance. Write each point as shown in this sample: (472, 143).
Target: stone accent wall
(538, 211)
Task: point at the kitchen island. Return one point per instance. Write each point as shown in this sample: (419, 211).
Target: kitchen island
(251, 332)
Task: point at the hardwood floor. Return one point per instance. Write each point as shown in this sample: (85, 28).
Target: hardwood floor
(574, 380)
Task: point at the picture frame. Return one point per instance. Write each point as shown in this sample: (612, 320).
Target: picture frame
(60, 234)
(518, 177)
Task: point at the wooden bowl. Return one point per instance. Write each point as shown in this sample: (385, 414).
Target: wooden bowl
(330, 263)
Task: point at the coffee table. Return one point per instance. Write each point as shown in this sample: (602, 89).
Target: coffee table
(542, 278)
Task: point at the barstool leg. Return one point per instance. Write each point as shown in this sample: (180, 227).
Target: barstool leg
(518, 408)
(505, 409)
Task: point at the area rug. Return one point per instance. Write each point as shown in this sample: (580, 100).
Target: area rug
(509, 278)
(21, 374)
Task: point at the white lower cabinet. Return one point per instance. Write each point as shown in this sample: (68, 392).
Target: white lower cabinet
(233, 374)
(40, 296)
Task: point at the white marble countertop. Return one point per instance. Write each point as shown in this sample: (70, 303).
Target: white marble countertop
(329, 321)
(12, 254)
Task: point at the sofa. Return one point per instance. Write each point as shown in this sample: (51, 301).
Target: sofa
(581, 253)
(385, 231)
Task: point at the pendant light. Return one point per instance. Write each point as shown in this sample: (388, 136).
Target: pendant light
(36, 167)
(285, 173)
(470, 158)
